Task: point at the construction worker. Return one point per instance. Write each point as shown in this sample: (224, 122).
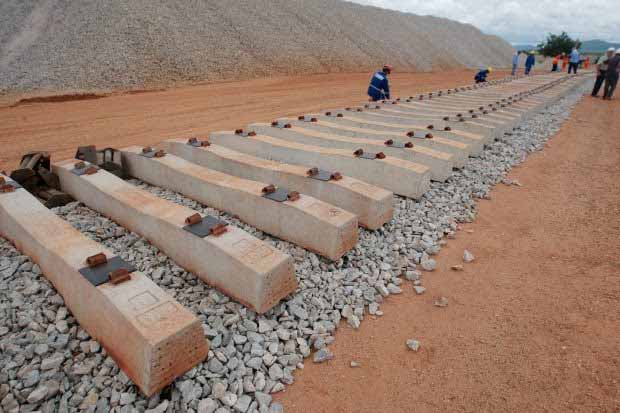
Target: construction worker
(574, 59)
(515, 63)
(529, 62)
(601, 70)
(555, 62)
(586, 63)
(564, 61)
(379, 88)
(611, 77)
(481, 76)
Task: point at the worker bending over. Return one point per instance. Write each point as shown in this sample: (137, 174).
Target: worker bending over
(481, 76)
(379, 88)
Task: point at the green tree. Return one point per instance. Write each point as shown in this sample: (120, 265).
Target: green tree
(557, 44)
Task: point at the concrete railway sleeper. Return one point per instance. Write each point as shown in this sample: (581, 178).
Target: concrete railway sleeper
(152, 337)
(301, 219)
(372, 205)
(439, 163)
(231, 260)
(420, 137)
(401, 177)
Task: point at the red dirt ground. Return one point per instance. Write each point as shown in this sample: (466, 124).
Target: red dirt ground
(533, 324)
(150, 117)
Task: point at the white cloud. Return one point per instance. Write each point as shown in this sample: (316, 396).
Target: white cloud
(524, 21)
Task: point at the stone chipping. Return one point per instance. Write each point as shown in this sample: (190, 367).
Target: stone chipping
(52, 46)
(48, 363)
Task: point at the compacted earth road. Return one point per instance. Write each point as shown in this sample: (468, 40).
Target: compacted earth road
(532, 324)
(147, 118)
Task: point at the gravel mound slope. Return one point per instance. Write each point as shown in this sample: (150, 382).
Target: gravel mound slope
(90, 45)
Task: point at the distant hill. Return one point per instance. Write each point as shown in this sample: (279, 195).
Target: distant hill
(133, 44)
(587, 46)
(597, 46)
(522, 47)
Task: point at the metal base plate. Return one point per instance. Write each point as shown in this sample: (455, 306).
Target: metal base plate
(203, 228)
(81, 171)
(322, 175)
(368, 155)
(100, 274)
(195, 144)
(280, 195)
(418, 135)
(150, 154)
(397, 144)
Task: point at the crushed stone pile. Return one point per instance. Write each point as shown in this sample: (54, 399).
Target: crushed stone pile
(52, 45)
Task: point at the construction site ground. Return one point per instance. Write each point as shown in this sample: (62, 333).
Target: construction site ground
(62, 124)
(532, 324)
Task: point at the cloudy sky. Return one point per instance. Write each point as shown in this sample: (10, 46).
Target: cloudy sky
(523, 21)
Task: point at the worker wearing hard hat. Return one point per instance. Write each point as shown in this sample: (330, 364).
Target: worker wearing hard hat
(481, 76)
(611, 77)
(379, 88)
(601, 70)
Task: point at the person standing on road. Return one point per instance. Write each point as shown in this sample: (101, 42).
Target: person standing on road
(573, 62)
(515, 63)
(601, 70)
(379, 88)
(611, 77)
(529, 62)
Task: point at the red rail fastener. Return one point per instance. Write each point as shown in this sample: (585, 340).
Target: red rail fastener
(410, 134)
(380, 155)
(97, 259)
(431, 127)
(218, 229)
(293, 196)
(358, 152)
(119, 276)
(147, 149)
(447, 128)
(312, 171)
(193, 219)
(269, 189)
(409, 145)
(429, 136)
(336, 176)
(4, 188)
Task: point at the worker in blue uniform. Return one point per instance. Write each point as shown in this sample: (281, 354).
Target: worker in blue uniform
(379, 88)
(481, 76)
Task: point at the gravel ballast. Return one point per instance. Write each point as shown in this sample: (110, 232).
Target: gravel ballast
(48, 362)
(54, 46)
